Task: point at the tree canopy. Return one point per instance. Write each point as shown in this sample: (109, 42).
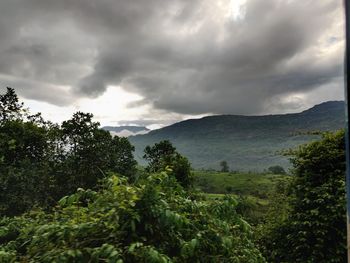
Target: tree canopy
(162, 156)
(314, 229)
(40, 162)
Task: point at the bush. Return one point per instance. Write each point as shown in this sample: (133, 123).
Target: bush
(154, 220)
(314, 229)
(276, 169)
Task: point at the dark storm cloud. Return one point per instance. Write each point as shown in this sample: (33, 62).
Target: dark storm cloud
(189, 57)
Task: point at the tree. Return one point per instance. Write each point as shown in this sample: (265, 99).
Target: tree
(159, 155)
(315, 228)
(40, 162)
(91, 153)
(181, 169)
(276, 169)
(162, 156)
(10, 107)
(24, 170)
(224, 167)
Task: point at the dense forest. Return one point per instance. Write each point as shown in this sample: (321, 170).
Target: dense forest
(72, 192)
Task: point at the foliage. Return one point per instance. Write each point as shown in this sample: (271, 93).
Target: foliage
(10, 107)
(224, 167)
(153, 215)
(41, 162)
(276, 169)
(253, 191)
(245, 142)
(245, 184)
(271, 222)
(92, 152)
(154, 220)
(315, 228)
(159, 155)
(162, 156)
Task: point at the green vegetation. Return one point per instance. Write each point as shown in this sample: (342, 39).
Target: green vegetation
(40, 162)
(74, 193)
(254, 191)
(247, 143)
(154, 220)
(311, 214)
(258, 185)
(224, 167)
(162, 156)
(276, 169)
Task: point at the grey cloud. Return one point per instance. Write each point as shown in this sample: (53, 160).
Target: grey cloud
(180, 56)
(38, 90)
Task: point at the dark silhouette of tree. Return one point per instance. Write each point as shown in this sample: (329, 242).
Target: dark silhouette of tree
(224, 167)
(40, 162)
(10, 107)
(276, 169)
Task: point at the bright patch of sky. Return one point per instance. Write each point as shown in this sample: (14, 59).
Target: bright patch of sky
(237, 11)
(107, 108)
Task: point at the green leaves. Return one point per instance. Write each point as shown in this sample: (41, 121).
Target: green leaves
(163, 156)
(151, 221)
(41, 162)
(314, 229)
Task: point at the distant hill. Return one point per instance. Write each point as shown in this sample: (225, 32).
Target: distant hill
(126, 131)
(245, 142)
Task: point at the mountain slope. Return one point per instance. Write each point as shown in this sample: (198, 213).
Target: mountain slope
(245, 142)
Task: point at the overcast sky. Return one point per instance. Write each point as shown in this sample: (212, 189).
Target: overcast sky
(154, 62)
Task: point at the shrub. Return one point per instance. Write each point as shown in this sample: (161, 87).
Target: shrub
(314, 230)
(155, 220)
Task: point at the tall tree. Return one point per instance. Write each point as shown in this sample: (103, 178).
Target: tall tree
(40, 161)
(92, 152)
(10, 107)
(162, 156)
(224, 167)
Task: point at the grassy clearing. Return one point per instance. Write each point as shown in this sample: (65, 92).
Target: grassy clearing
(243, 184)
(251, 189)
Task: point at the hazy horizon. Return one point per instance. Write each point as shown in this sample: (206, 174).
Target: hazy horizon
(161, 126)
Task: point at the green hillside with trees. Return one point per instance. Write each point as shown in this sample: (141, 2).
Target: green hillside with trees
(71, 192)
(246, 143)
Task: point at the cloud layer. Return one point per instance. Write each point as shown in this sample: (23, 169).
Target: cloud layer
(185, 57)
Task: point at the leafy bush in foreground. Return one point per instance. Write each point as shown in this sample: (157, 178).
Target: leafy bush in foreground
(154, 220)
(315, 228)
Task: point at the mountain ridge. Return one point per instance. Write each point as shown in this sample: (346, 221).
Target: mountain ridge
(245, 142)
(126, 131)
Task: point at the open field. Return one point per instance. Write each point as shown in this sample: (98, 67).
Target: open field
(245, 184)
(253, 190)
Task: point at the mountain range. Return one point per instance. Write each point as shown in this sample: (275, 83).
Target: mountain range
(247, 143)
(126, 131)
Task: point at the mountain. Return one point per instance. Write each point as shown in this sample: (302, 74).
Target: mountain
(126, 131)
(245, 142)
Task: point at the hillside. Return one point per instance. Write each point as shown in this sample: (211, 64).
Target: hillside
(245, 142)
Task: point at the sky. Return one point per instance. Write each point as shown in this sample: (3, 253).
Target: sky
(156, 62)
